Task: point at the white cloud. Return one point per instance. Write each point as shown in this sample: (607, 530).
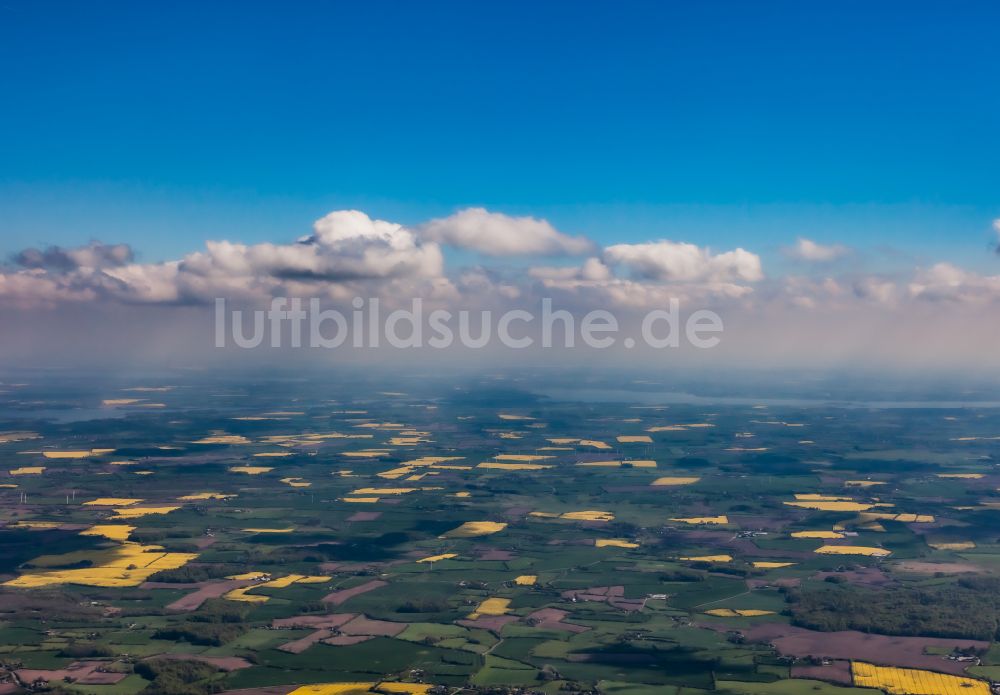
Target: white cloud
(29, 287)
(594, 284)
(673, 261)
(834, 315)
(876, 289)
(349, 254)
(944, 281)
(93, 255)
(593, 269)
(345, 245)
(496, 234)
(347, 248)
(812, 252)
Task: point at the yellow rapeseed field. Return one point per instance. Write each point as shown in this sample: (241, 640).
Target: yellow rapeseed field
(765, 565)
(831, 506)
(737, 612)
(112, 502)
(279, 583)
(436, 558)
(491, 606)
(28, 470)
(431, 460)
(526, 580)
(634, 439)
(816, 534)
(406, 441)
(619, 464)
(523, 458)
(472, 529)
(580, 442)
(708, 558)
(9, 437)
(852, 550)
(403, 688)
(907, 518)
(129, 564)
(721, 519)
(953, 545)
(135, 512)
(360, 500)
(40, 525)
(967, 476)
(205, 496)
(911, 681)
(282, 582)
(675, 480)
(614, 543)
(115, 532)
(394, 473)
(513, 466)
(384, 491)
(335, 689)
(250, 470)
(588, 515)
(222, 439)
(295, 482)
(242, 595)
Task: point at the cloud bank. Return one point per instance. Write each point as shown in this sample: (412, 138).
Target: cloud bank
(495, 234)
(520, 260)
(812, 252)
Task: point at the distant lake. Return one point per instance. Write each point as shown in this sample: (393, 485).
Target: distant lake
(598, 395)
(61, 414)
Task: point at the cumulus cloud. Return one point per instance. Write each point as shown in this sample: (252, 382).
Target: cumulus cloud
(595, 284)
(947, 282)
(345, 245)
(93, 255)
(349, 254)
(876, 289)
(593, 269)
(496, 234)
(812, 252)
(809, 292)
(682, 262)
(346, 248)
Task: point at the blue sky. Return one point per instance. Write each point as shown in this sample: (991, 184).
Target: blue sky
(719, 123)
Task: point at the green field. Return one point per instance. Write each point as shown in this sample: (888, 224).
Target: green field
(329, 584)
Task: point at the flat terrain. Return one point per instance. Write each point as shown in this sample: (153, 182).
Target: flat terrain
(205, 534)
